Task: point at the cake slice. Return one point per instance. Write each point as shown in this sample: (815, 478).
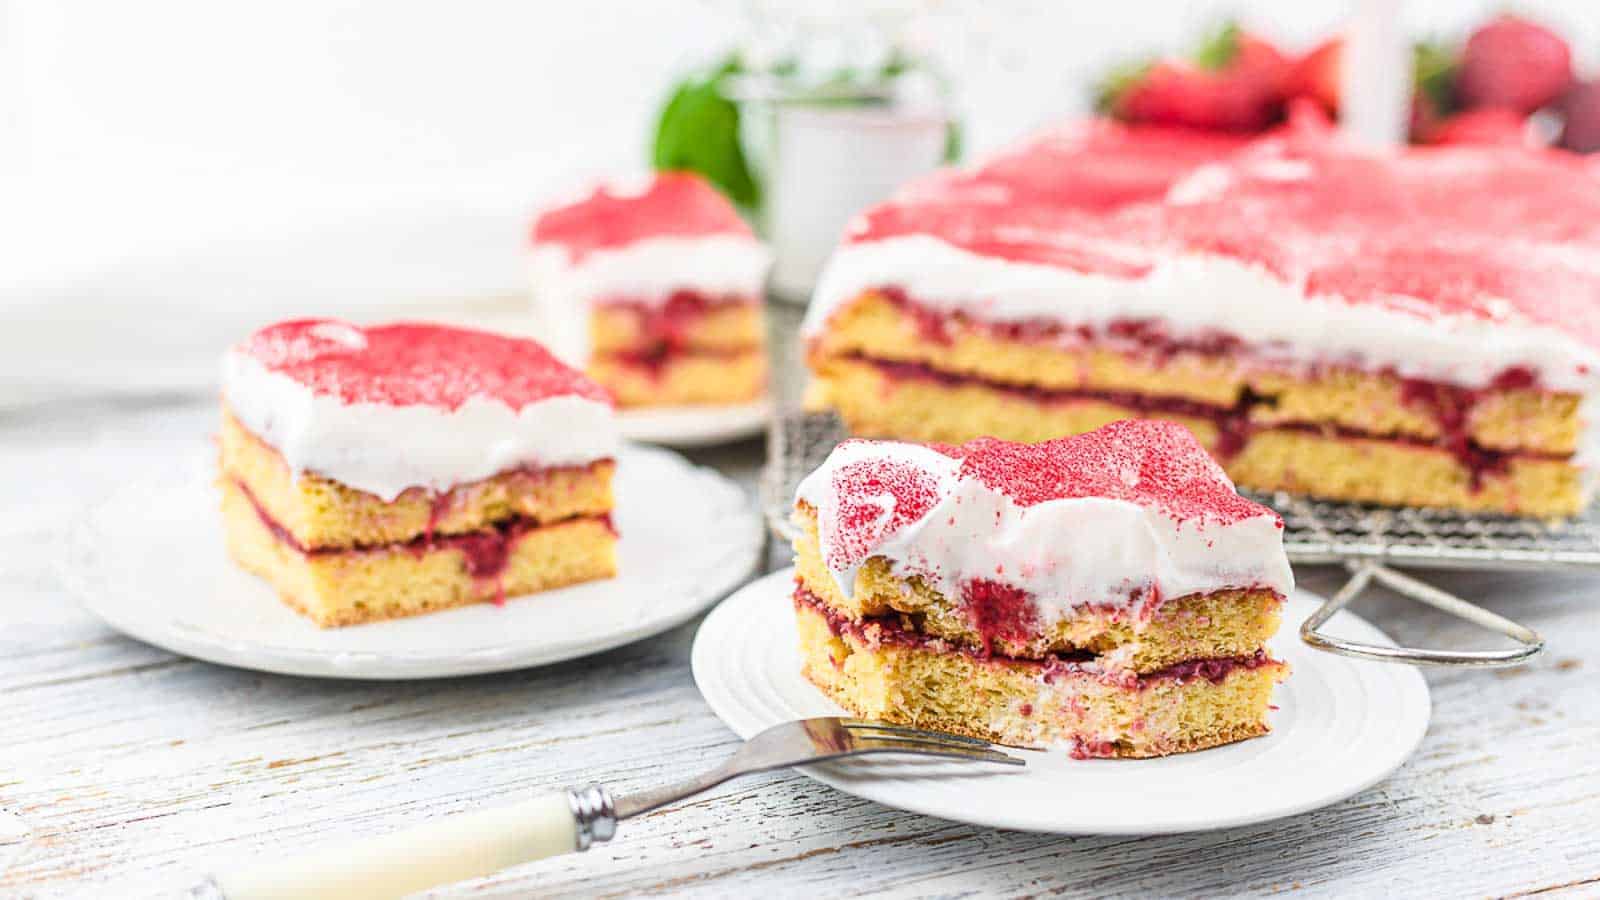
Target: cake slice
(1415, 327)
(370, 473)
(1110, 592)
(655, 289)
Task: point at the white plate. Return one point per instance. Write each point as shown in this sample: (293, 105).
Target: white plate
(694, 426)
(1342, 725)
(150, 562)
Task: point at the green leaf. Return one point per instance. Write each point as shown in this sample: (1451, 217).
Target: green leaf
(1109, 89)
(952, 142)
(699, 132)
(1433, 68)
(1219, 48)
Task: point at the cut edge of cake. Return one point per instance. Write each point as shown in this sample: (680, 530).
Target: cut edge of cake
(505, 523)
(1132, 669)
(656, 290)
(1340, 341)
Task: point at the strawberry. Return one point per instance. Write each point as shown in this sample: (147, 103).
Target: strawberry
(1490, 125)
(1235, 82)
(1514, 63)
(1318, 74)
(1580, 131)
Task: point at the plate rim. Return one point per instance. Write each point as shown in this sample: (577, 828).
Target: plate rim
(702, 652)
(689, 427)
(729, 572)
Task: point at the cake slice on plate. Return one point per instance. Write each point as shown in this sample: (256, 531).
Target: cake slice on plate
(655, 289)
(1109, 592)
(370, 473)
(1415, 327)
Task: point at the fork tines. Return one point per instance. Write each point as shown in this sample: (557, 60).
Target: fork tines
(866, 724)
(882, 737)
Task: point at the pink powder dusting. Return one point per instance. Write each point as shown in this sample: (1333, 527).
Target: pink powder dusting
(674, 204)
(1145, 461)
(1149, 462)
(862, 519)
(1481, 232)
(415, 364)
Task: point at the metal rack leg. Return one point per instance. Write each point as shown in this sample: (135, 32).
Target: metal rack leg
(1364, 573)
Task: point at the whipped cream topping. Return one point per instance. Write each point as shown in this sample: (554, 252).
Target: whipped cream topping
(1134, 511)
(637, 242)
(1447, 264)
(568, 286)
(1197, 295)
(385, 409)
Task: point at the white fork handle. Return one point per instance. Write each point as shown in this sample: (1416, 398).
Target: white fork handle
(453, 848)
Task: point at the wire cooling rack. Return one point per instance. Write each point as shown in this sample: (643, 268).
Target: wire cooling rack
(1315, 531)
(1367, 539)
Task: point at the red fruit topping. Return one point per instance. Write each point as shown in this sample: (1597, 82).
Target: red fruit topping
(1492, 125)
(674, 204)
(415, 364)
(1319, 74)
(1236, 83)
(999, 611)
(1581, 109)
(1514, 63)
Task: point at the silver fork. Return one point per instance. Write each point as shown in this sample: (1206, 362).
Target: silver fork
(469, 845)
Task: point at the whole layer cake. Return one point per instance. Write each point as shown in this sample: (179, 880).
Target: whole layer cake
(1108, 592)
(1410, 327)
(369, 473)
(655, 289)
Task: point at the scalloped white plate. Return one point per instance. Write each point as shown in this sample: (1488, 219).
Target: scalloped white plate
(694, 426)
(150, 562)
(1342, 725)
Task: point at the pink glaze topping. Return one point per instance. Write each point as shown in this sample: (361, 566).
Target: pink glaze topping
(1485, 233)
(1040, 201)
(672, 204)
(415, 364)
(1025, 534)
(1149, 462)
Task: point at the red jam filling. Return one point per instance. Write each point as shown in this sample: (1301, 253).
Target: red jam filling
(484, 552)
(1149, 336)
(888, 630)
(999, 611)
(667, 325)
(665, 330)
(1451, 406)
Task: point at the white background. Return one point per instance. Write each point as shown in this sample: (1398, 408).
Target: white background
(173, 172)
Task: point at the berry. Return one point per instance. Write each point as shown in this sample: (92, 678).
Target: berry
(1235, 82)
(1492, 125)
(1317, 75)
(1514, 63)
(1581, 108)
(1433, 74)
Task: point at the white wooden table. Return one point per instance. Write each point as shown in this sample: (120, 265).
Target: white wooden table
(133, 770)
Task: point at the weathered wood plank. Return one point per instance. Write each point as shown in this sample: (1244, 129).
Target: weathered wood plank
(135, 770)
